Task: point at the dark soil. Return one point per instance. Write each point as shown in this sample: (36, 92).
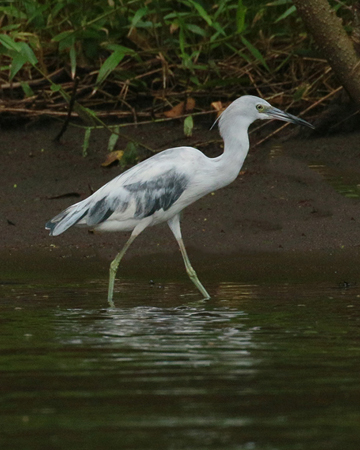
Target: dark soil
(281, 203)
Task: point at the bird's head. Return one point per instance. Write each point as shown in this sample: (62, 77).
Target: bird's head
(245, 110)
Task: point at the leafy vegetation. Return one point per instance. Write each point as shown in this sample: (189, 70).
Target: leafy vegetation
(136, 58)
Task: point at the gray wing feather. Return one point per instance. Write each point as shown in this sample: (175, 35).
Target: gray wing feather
(149, 196)
(67, 218)
(128, 196)
(159, 193)
(104, 208)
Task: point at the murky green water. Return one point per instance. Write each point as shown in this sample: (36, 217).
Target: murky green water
(257, 367)
(345, 182)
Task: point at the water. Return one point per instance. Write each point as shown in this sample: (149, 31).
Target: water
(272, 366)
(346, 183)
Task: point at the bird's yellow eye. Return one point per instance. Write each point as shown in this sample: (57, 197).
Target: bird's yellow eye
(260, 108)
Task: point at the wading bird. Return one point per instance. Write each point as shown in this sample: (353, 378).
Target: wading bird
(159, 188)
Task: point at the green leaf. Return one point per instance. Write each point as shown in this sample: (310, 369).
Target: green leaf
(125, 50)
(11, 11)
(188, 126)
(196, 29)
(287, 13)
(300, 91)
(194, 79)
(255, 52)
(26, 51)
(182, 42)
(140, 13)
(16, 64)
(63, 35)
(240, 16)
(201, 11)
(109, 65)
(113, 139)
(57, 8)
(10, 27)
(86, 114)
(55, 87)
(279, 2)
(9, 43)
(120, 48)
(66, 40)
(130, 155)
(219, 29)
(22, 49)
(27, 89)
(241, 54)
(86, 141)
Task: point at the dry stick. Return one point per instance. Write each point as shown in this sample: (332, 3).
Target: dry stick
(35, 113)
(254, 83)
(128, 138)
(14, 85)
(71, 106)
(56, 114)
(144, 122)
(166, 119)
(345, 118)
(268, 136)
(82, 88)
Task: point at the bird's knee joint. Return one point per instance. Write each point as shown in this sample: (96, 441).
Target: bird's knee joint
(113, 266)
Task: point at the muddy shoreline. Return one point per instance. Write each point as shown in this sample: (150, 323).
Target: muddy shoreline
(297, 197)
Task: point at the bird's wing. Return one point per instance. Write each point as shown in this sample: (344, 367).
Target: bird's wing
(154, 184)
(157, 193)
(136, 200)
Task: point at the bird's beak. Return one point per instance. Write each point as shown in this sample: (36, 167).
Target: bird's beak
(275, 113)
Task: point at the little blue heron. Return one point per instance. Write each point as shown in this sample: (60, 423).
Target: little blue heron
(159, 188)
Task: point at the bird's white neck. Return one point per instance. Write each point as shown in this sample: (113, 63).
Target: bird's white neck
(236, 147)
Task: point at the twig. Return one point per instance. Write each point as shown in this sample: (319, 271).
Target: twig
(17, 84)
(268, 136)
(71, 106)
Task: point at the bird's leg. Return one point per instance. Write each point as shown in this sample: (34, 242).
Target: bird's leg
(191, 272)
(114, 266)
(174, 225)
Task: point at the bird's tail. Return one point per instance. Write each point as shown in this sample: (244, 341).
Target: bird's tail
(67, 218)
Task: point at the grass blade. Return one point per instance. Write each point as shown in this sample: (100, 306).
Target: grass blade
(255, 52)
(288, 12)
(86, 142)
(113, 140)
(140, 13)
(26, 52)
(201, 11)
(73, 61)
(109, 65)
(188, 126)
(9, 43)
(240, 16)
(27, 89)
(16, 64)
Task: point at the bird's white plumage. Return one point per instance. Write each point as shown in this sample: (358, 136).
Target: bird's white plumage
(158, 189)
(181, 160)
(201, 175)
